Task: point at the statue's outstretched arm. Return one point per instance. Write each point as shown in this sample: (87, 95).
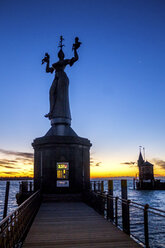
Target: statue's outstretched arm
(46, 60)
(49, 69)
(74, 59)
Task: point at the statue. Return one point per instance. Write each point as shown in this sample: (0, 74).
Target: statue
(58, 94)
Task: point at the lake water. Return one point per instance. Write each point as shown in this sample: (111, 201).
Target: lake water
(155, 198)
(12, 204)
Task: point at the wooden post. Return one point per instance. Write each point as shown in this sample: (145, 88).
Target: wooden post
(30, 186)
(124, 189)
(24, 186)
(94, 186)
(110, 187)
(125, 207)
(146, 225)
(6, 199)
(20, 187)
(102, 186)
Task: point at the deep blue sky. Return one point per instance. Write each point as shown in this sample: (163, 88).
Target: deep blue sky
(117, 87)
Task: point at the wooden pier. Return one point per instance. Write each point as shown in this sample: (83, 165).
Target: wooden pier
(73, 224)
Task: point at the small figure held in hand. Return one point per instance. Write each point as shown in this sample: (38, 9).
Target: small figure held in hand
(77, 44)
(46, 58)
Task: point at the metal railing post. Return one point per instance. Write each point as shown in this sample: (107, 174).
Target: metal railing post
(110, 210)
(146, 225)
(91, 183)
(116, 211)
(98, 186)
(107, 207)
(110, 192)
(94, 186)
(128, 217)
(102, 186)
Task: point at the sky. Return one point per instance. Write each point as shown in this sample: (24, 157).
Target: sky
(116, 87)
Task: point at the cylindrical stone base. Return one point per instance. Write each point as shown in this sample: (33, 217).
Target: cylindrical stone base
(52, 153)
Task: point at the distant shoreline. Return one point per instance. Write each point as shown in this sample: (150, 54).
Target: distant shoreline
(92, 178)
(15, 178)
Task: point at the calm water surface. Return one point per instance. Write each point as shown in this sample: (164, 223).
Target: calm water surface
(14, 188)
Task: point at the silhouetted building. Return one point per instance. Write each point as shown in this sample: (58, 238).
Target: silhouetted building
(146, 176)
(145, 170)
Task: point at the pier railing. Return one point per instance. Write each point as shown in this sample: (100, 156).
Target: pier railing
(14, 227)
(142, 222)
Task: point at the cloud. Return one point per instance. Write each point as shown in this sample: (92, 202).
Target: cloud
(131, 164)
(17, 161)
(9, 167)
(7, 161)
(8, 172)
(9, 164)
(128, 163)
(93, 163)
(159, 162)
(19, 154)
(23, 158)
(98, 164)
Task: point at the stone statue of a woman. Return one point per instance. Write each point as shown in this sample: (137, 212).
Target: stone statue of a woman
(58, 95)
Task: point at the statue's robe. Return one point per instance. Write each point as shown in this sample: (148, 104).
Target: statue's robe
(59, 88)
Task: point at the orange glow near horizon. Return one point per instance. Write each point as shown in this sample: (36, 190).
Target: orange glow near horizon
(117, 169)
(94, 172)
(23, 171)
(19, 164)
(16, 164)
(126, 173)
(109, 170)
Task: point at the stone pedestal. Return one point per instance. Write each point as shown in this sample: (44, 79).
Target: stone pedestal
(53, 149)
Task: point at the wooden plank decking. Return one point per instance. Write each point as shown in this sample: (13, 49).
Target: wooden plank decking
(73, 224)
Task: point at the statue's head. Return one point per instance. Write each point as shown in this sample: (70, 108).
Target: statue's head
(61, 54)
